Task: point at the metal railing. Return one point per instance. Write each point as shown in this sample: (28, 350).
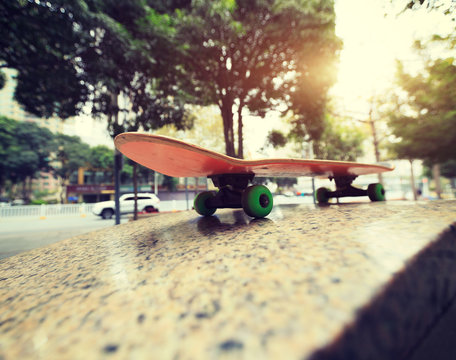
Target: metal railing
(45, 210)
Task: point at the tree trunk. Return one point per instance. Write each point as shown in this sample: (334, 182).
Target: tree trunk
(30, 189)
(376, 143)
(114, 116)
(62, 189)
(240, 152)
(24, 190)
(412, 181)
(436, 176)
(227, 116)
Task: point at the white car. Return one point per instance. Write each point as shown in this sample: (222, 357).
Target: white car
(146, 202)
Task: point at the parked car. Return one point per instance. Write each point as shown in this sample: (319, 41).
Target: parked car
(146, 202)
(4, 201)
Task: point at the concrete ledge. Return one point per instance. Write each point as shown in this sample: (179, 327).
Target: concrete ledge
(401, 317)
(349, 281)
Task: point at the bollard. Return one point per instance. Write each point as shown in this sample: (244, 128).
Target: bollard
(42, 212)
(81, 210)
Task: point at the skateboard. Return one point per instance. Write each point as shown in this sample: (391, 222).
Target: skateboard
(233, 177)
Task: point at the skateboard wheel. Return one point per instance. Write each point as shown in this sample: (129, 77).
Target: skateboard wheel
(376, 192)
(321, 195)
(257, 201)
(199, 203)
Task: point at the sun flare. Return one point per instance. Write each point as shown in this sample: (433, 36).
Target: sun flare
(372, 42)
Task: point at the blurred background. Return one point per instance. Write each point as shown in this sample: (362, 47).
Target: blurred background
(368, 81)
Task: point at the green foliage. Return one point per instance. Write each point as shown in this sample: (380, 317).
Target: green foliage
(70, 53)
(2, 79)
(40, 40)
(101, 158)
(126, 172)
(25, 149)
(71, 154)
(339, 141)
(448, 169)
(170, 182)
(207, 130)
(426, 126)
(276, 138)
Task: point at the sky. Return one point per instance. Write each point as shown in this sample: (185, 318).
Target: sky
(373, 42)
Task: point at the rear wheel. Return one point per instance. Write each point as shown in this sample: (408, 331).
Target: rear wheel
(376, 192)
(257, 201)
(199, 204)
(107, 213)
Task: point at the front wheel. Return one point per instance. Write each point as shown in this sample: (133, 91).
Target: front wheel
(376, 192)
(322, 195)
(257, 201)
(199, 204)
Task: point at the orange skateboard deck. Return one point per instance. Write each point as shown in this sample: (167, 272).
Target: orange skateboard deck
(178, 158)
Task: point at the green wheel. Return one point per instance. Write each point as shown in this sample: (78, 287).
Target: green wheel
(257, 201)
(199, 204)
(376, 192)
(321, 195)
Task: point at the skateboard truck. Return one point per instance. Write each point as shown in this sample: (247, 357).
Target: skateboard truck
(235, 192)
(344, 188)
(231, 187)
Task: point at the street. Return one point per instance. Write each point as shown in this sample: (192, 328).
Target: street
(25, 233)
(19, 234)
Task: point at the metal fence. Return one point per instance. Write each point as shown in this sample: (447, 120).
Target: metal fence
(45, 210)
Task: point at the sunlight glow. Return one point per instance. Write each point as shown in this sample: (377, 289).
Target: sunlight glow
(371, 44)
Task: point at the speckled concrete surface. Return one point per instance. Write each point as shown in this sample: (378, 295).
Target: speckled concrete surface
(347, 281)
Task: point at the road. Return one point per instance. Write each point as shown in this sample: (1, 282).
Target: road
(19, 234)
(26, 233)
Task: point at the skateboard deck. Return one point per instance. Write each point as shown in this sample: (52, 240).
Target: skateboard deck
(232, 176)
(177, 158)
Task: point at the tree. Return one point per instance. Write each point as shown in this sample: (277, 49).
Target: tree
(92, 51)
(207, 130)
(7, 141)
(101, 158)
(425, 126)
(71, 155)
(25, 149)
(339, 140)
(253, 55)
(42, 40)
(88, 52)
